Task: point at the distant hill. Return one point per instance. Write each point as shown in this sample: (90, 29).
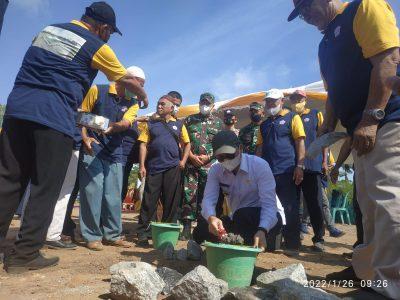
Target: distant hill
(2, 110)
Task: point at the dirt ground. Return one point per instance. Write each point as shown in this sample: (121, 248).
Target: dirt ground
(84, 274)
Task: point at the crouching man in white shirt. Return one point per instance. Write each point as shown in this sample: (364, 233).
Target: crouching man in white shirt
(252, 201)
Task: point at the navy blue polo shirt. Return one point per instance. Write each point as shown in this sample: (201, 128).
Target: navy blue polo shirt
(310, 123)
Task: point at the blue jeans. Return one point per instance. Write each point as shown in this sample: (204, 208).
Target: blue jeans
(100, 183)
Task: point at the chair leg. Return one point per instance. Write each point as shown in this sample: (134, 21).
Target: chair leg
(341, 217)
(333, 212)
(348, 217)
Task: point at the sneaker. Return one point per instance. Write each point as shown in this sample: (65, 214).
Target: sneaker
(118, 243)
(60, 245)
(346, 274)
(186, 233)
(334, 232)
(304, 228)
(318, 247)
(95, 245)
(143, 240)
(39, 262)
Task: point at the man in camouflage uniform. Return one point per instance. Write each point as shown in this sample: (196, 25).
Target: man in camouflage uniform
(248, 134)
(201, 127)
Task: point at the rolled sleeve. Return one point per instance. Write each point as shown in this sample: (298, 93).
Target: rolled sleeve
(131, 113)
(266, 190)
(211, 193)
(375, 27)
(144, 134)
(297, 128)
(107, 62)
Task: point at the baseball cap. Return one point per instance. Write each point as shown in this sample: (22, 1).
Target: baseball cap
(296, 11)
(274, 94)
(208, 96)
(226, 142)
(228, 112)
(136, 71)
(102, 12)
(256, 106)
(300, 93)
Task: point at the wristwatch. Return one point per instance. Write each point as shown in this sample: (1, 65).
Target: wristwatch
(376, 114)
(301, 166)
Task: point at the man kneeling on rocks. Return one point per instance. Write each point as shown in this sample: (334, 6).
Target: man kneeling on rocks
(252, 200)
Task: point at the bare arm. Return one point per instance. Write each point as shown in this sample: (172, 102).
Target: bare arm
(344, 153)
(186, 152)
(142, 160)
(330, 120)
(133, 85)
(87, 141)
(300, 152)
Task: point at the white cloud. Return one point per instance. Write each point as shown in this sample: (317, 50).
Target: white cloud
(33, 7)
(238, 82)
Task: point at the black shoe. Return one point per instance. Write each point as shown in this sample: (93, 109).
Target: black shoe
(39, 262)
(60, 245)
(318, 247)
(346, 274)
(142, 240)
(186, 233)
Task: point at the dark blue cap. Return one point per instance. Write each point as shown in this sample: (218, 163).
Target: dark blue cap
(104, 13)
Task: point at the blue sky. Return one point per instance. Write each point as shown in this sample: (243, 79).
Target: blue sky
(228, 47)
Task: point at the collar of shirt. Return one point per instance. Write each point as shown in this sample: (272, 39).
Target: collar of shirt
(305, 111)
(79, 23)
(170, 119)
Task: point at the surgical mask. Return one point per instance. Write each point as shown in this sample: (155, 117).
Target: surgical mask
(176, 109)
(273, 111)
(205, 110)
(229, 121)
(255, 118)
(299, 107)
(232, 164)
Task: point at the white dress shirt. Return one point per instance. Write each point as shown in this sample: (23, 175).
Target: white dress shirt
(252, 186)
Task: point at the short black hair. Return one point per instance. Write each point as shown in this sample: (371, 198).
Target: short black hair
(91, 21)
(175, 94)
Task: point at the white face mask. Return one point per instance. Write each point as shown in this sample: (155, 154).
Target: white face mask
(176, 109)
(273, 111)
(205, 110)
(232, 164)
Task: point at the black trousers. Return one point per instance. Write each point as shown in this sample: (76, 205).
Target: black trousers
(166, 186)
(126, 173)
(245, 222)
(30, 151)
(69, 225)
(311, 186)
(358, 218)
(289, 195)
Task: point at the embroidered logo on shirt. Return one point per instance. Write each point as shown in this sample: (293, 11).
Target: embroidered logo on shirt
(282, 122)
(124, 109)
(306, 119)
(174, 127)
(337, 31)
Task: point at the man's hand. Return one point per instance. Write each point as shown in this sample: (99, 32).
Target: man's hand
(182, 165)
(259, 240)
(215, 225)
(205, 159)
(364, 136)
(195, 160)
(298, 175)
(87, 145)
(334, 175)
(142, 172)
(325, 168)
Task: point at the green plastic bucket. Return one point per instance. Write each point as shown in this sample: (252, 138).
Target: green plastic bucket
(234, 264)
(164, 234)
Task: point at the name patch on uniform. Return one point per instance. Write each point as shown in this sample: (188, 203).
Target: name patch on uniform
(282, 122)
(59, 41)
(306, 119)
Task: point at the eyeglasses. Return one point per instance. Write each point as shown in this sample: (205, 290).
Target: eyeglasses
(222, 157)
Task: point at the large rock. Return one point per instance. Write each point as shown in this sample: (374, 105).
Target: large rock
(170, 277)
(199, 284)
(290, 283)
(194, 250)
(169, 252)
(250, 293)
(135, 280)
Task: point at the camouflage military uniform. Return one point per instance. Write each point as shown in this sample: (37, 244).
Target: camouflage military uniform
(201, 131)
(248, 138)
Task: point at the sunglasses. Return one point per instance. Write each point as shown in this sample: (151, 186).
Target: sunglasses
(222, 157)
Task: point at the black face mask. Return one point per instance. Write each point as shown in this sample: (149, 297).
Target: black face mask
(229, 121)
(255, 118)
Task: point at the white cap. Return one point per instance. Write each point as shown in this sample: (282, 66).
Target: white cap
(136, 71)
(274, 94)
